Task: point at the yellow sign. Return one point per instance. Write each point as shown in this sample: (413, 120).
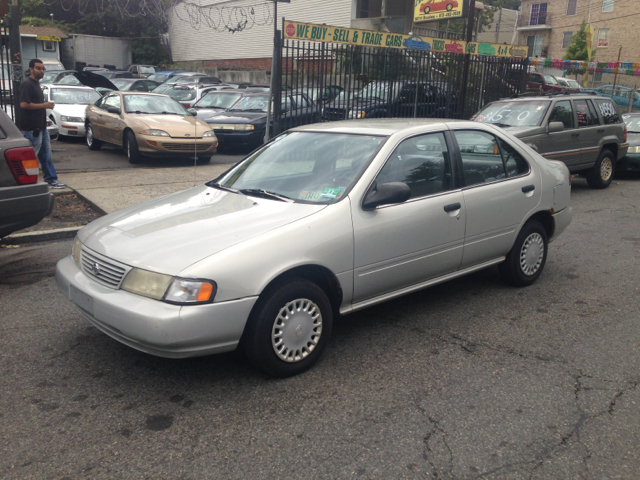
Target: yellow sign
(589, 40)
(429, 10)
(368, 38)
(48, 38)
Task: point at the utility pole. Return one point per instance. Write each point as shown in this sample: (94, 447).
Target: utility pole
(467, 56)
(498, 26)
(615, 77)
(16, 56)
(275, 90)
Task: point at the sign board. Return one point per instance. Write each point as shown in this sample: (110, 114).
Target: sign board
(368, 38)
(48, 38)
(431, 10)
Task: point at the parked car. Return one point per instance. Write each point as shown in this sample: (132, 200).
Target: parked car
(111, 74)
(188, 95)
(165, 75)
(244, 124)
(620, 96)
(569, 84)
(324, 220)
(52, 128)
(320, 96)
(542, 82)
(430, 6)
(397, 99)
(583, 131)
(631, 162)
(148, 124)
(56, 75)
(134, 84)
(23, 200)
(141, 71)
(69, 112)
(217, 101)
(186, 80)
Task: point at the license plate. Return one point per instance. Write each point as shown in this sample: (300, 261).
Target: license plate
(81, 299)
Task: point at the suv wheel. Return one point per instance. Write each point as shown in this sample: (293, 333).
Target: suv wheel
(602, 172)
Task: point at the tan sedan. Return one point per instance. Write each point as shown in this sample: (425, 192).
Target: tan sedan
(148, 124)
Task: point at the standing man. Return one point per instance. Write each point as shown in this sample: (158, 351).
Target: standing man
(33, 121)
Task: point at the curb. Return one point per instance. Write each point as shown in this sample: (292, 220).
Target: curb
(41, 236)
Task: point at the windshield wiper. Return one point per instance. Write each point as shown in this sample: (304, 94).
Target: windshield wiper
(259, 192)
(139, 112)
(170, 113)
(501, 125)
(221, 187)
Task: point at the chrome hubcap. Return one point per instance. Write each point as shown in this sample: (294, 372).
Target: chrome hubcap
(89, 136)
(531, 254)
(297, 330)
(606, 168)
(128, 149)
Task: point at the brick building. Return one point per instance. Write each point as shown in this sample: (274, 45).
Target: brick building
(546, 27)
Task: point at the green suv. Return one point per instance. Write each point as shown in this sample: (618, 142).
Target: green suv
(584, 131)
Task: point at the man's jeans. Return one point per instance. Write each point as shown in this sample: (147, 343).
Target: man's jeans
(42, 145)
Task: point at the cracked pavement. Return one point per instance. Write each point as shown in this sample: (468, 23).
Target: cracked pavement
(470, 379)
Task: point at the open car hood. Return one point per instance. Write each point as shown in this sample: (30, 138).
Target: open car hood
(94, 80)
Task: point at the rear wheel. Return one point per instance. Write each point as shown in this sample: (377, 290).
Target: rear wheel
(131, 148)
(601, 174)
(289, 328)
(92, 143)
(427, 10)
(527, 257)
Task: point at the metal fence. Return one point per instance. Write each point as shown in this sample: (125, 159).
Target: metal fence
(6, 83)
(348, 81)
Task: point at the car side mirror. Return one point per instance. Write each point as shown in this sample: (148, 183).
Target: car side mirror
(115, 110)
(193, 112)
(556, 127)
(386, 194)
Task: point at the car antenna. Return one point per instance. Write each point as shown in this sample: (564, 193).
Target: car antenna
(195, 149)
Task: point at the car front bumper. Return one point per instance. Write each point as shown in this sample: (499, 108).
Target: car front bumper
(239, 138)
(23, 205)
(176, 147)
(151, 326)
(71, 129)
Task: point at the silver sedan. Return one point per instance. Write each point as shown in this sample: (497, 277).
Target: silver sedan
(322, 221)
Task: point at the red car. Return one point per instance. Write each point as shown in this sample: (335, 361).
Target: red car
(454, 47)
(438, 5)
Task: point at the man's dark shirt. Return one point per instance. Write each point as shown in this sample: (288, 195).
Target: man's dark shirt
(31, 92)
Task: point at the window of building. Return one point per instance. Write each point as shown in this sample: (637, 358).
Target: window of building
(566, 39)
(607, 5)
(48, 46)
(534, 42)
(538, 14)
(603, 37)
(571, 7)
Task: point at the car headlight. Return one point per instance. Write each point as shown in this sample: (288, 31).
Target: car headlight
(169, 289)
(633, 150)
(75, 251)
(64, 118)
(245, 127)
(155, 133)
(209, 133)
(356, 114)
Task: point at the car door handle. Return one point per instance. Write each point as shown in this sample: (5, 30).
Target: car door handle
(452, 207)
(575, 134)
(528, 188)
(601, 130)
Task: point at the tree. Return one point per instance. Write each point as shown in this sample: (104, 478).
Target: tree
(577, 49)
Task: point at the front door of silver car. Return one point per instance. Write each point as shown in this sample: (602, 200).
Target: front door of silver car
(501, 189)
(407, 243)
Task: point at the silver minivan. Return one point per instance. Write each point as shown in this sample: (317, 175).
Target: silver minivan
(584, 131)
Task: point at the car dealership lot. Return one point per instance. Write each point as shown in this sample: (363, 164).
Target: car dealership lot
(469, 379)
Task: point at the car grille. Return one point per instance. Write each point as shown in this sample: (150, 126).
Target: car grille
(187, 147)
(335, 113)
(101, 269)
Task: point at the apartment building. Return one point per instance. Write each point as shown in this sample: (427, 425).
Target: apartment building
(547, 27)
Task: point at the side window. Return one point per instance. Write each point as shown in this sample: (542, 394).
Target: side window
(515, 163)
(481, 158)
(585, 118)
(562, 112)
(592, 111)
(534, 77)
(100, 102)
(608, 111)
(421, 162)
(138, 87)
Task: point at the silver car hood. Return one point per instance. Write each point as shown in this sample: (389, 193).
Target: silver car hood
(524, 132)
(208, 221)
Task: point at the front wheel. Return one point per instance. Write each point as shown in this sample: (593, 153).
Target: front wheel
(601, 174)
(131, 147)
(527, 257)
(92, 143)
(289, 328)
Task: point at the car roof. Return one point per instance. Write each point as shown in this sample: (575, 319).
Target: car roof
(62, 85)
(375, 126)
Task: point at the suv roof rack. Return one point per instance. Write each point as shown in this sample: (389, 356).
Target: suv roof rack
(551, 94)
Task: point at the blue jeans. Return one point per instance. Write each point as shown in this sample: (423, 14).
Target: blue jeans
(42, 145)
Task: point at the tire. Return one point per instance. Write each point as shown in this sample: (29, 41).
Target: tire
(92, 143)
(289, 328)
(203, 160)
(601, 174)
(449, 7)
(131, 148)
(527, 257)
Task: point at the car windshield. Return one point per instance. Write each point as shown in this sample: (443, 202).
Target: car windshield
(562, 81)
(49, 77)
(185, 80)
(574, 83)
(156, 77)
(218, 100)
(74, 96)
(152, 104)
(550, 80)
(144, 69)
(513, 114)
(632, 122)
(69, 80)
(122, 83)
(378, 90)
(307, 167)
(182, 94)
(254, 103)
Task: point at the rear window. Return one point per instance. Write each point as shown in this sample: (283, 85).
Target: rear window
(608, 111)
